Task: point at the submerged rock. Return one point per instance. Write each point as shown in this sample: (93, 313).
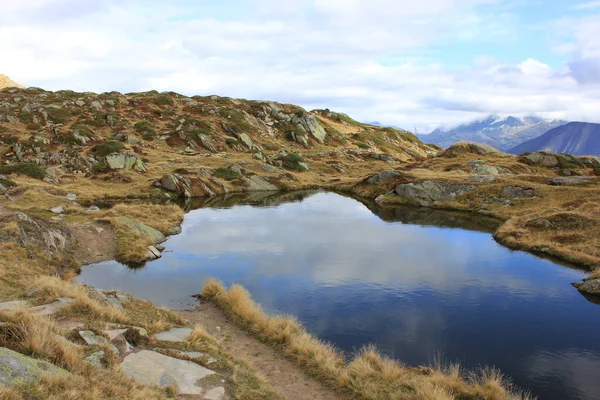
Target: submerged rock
(591, 286)
(429, 192)
(16, 368)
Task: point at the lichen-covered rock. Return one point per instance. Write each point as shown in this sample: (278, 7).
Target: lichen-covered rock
(178, 184)
(125, 161)
(142, 229)
(383, 176)
(16, 368)
(428, 192)
(312, 126)
(257, 183)
(591, 286)
(542, 159)
(570, 180)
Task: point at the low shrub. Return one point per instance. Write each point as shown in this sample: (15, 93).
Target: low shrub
(226, 173)
(28, 169)
(145, 128)
(293, 161)
(104, 149)
(58, 115)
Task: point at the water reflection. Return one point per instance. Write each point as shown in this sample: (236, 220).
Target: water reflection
(413, 281)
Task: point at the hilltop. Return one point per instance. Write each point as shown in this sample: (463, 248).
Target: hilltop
(502, 133)
(6, 82)
(577, 138)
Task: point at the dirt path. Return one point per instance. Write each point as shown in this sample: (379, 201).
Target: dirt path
(95, 242)
(287, 378)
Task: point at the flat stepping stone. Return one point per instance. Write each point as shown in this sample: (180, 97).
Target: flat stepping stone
(45, 309)
(16, 368)
(152, 368)
(96, 340)
(174, 335)
(214, 394)
(113, 334)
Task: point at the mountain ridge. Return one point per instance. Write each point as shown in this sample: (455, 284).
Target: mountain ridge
(575, 138)
(502, 133)
(5, 82)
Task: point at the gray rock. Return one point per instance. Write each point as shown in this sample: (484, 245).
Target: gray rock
(93, 209)
(244, 138)
(517, 192)
(58, 210)
(258, 184)
(485, 170)
(217, 393)
(16, 368)
(153, 253)
(96, 105)
(131, 139)
(483, 178)
(269, 168)
(174, 335)
(429, 192)
(591, 286)
(178, 184)
(142, 229)
(474, 163)
(45, 309)
(312, 126)
(570, 180)
(95, 359)
(542, 159)
(152, 368)
(71, 196)
(383, 176)
(125, 161)
(541, 223)
(95, 340)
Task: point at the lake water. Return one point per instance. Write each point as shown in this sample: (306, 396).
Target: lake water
(415, 282)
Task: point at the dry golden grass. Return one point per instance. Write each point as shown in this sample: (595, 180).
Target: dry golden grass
(18, 267)
(160, 217)
(369, 375)
(37, 198)
(49, 288)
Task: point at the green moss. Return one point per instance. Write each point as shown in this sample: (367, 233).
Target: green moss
(226, 173)
(58, 115)
(27, 169)
(145, 128)
(104, 149)
(163, 100)
(293, 161)
(7, 183)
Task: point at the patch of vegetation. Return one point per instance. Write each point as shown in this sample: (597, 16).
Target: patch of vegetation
(28, 169)
(25, 117)
(163, 100)
(454, 167)
(7, 139)
(236, 118)
(7, 183)
(58, 115)
(231, 141)
(145, 128)
(33, 127)
(104, 149)
(363, 145)
(226, 173)
(293, 161)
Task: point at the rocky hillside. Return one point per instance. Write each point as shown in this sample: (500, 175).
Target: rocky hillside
(503, 134)
(576, 138)
(6, 82)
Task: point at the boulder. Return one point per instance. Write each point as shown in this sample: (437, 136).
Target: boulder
(152, 368)
(95, 359)
(153, 253)
(16, 368)
(312, 126)
(142, 229)
(485, 170)
(244, 138)
(216, 393)
(542, 159)
(125, 161)
(269, 168)
(570, 180)
(178, 184)
(429, 192)
(94, 340)
(591, 286)
(258, 184)
(517, 192)
(383, 176)
(174, 335)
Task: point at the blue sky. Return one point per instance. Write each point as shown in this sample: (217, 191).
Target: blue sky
(412, 64)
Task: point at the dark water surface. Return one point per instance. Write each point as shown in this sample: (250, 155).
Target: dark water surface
(415, 282)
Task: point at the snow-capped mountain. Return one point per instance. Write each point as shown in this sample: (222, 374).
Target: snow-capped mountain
(502, 133)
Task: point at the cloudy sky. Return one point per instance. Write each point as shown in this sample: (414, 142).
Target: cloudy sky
(416, 64)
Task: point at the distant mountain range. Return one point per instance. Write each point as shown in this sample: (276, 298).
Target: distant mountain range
(502, 133)
(576, 138)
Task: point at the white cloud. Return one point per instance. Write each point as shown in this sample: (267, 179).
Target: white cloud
(587, 6)
(365, 58)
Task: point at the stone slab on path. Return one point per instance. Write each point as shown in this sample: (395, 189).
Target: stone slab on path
(174, 335)
(17, 368)
(214, 394)
(152, 368)
(45, 309)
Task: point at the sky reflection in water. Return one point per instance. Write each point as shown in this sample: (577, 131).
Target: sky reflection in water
(415, 288)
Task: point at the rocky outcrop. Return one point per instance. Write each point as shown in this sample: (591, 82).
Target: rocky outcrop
(125, 161)
(312, 126)
(541, 159)
(259, 184)
(142, 229)
(470, 148)
(383, 176)
(429, 192)
(571, 180)
(591, 286)
(16, 368)
(517, 192)
(176, 183)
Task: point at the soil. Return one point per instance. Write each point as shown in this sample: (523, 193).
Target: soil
(286, 377)
(95, 242)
